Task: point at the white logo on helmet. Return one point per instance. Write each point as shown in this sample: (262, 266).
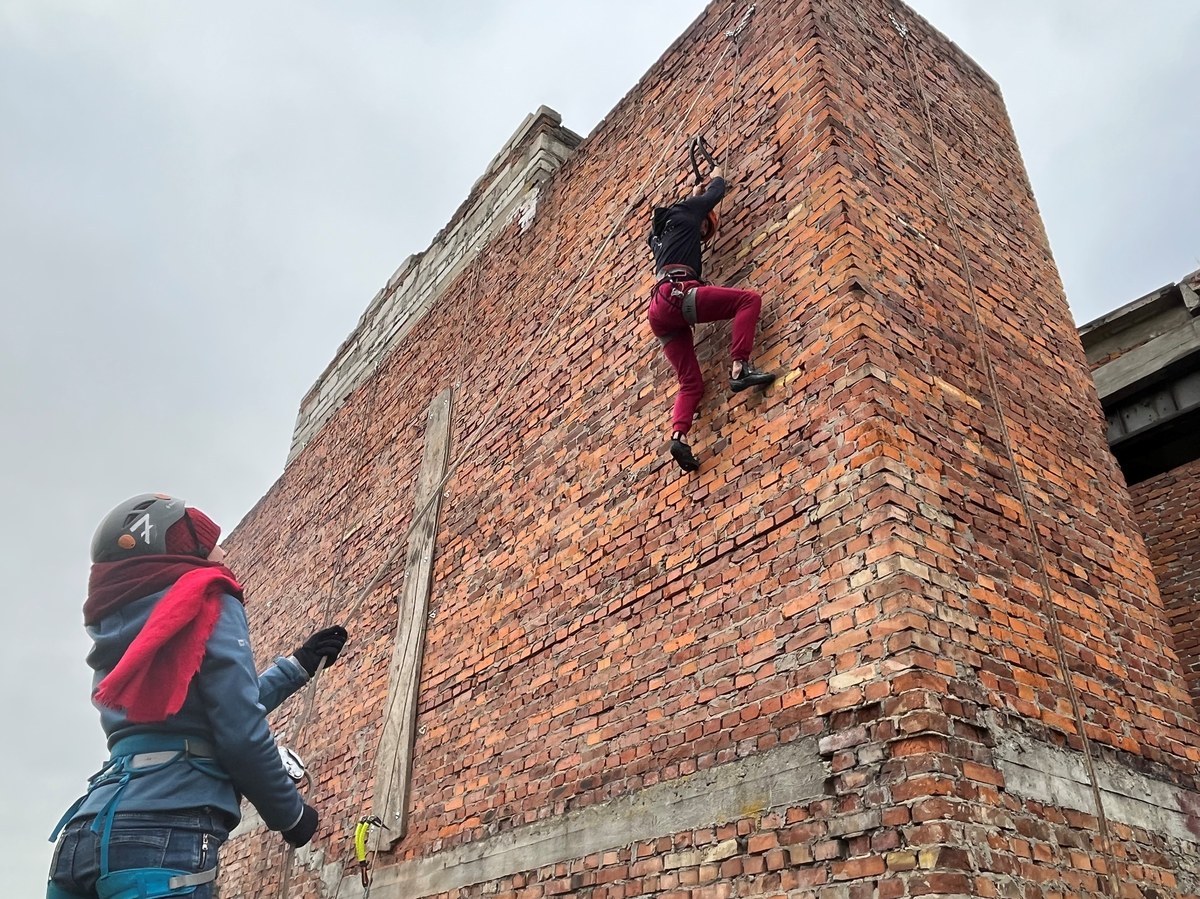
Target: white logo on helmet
(145, 525)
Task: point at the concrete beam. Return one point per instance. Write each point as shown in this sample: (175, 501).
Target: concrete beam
(1127, 317)
(1058, 777)
(1126, 374)
(788, 775)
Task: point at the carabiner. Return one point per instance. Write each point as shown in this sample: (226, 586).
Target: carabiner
(292, 764)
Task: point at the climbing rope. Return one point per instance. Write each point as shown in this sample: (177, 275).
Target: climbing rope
(734, 36)
(1049, 609)
(734, 33)
(485, 421)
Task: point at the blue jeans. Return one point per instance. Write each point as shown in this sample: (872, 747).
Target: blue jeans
(186, 840)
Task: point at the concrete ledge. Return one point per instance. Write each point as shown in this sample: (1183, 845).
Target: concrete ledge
(508, 191)
(1052, 776)
(1128, 317)
(1130, 346)
(788, 775)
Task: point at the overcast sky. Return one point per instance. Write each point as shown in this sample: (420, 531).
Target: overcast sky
(198, 199)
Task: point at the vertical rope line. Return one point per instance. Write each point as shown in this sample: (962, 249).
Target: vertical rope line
(311, 697)
(339, 563)
(339, 559)
(1049, 609)
(408, 652)
(729, 101)
(734, 36)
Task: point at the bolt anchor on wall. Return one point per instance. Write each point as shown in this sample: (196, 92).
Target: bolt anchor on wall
(734, 33)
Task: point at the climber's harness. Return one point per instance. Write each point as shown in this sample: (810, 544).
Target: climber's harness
(684, 300)
(131, 758)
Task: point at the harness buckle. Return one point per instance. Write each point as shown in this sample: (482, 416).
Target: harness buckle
(675, 274)
(677, 271)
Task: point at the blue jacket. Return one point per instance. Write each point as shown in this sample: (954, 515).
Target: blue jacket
(226, 705)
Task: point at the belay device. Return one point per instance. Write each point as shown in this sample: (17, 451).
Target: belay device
(293, 765)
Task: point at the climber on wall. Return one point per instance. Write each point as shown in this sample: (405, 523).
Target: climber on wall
(183, 710)
(681, 299)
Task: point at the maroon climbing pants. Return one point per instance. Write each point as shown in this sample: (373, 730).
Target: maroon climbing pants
(674, 331)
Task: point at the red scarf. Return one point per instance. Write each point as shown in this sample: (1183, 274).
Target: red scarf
(151, 681)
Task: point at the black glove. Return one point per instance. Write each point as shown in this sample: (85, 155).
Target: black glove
(324, 644)
(304, 829)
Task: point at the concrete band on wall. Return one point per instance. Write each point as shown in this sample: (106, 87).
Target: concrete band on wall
(790, 775)
(1058, 777)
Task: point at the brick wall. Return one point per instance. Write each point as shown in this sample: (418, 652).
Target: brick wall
(896, 638)
(1168, 508)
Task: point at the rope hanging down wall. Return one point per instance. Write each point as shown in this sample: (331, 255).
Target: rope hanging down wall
(423, 510)
(1046, 598)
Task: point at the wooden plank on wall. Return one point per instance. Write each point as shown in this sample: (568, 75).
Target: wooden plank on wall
(393, 762)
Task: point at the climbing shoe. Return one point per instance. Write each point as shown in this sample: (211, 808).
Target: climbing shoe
(682, 453)
(750, 377)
